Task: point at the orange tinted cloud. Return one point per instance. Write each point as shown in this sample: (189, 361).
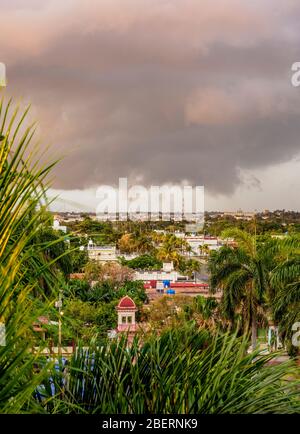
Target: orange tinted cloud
(157, 89)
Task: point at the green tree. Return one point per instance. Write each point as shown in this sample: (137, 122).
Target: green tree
(143, 262)
(77, 288)
(243, 274)
(24, 261)
(189, 267)
(169, 250)
(285, 279)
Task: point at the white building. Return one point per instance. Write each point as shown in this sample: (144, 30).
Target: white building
(167, 273)
(107, 253)
(199, 242)
(57, 227)
(101, 253)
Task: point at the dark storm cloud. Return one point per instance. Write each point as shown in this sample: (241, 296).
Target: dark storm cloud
(180, 90)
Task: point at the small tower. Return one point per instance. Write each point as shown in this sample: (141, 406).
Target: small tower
(126, 315)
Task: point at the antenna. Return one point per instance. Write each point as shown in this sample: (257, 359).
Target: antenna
(255, 232)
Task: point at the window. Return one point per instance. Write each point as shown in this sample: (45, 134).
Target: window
(123, 319)
(129, 319)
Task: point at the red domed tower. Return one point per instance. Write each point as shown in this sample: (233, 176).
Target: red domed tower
(126, 315)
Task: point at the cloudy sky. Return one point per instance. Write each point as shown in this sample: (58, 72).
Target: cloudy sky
(162, 91)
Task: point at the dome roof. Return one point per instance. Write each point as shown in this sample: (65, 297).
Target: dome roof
(126, 303)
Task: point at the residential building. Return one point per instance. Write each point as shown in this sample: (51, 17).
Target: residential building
(167, 273)
(108, 253)
(240, 215)
(101, 253)
(57, 227)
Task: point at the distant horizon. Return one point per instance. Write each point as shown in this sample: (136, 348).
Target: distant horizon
(208, 211)
(86, 201)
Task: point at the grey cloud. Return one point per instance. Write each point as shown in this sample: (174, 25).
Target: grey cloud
(115, 102)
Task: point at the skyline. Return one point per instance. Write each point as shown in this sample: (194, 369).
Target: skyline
(165, 93)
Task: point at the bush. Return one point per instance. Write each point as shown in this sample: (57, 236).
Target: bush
(144, 262)
(182, 371)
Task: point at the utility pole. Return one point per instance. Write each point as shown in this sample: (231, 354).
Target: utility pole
(60, 313)
(255, 230)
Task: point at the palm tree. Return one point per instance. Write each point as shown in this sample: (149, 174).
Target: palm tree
(285, 280)
(157, 238)
(206, 309)
(127, 243)
(204, 249)
(182, 371)
(168, 255)
(23, 260)
(191, 267)
(169, 250)
(144, 244)
(187, 248)
(243, 274)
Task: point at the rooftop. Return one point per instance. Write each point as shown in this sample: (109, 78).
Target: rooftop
(126, 303)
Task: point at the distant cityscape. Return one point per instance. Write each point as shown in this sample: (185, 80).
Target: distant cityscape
(289, 215)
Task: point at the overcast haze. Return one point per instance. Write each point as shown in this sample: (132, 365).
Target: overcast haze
(163, 91)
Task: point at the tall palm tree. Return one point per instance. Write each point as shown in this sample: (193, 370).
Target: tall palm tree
(285, 280)
(243, 274)
(186, 247)
(169, 250)
(191, 267)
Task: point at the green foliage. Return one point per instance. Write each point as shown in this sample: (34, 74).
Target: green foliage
(90, 310)
(259, 280)
(184, 371)
(242, 273)
(285, 280)
(143, 262)
(24, 264)
(84, 320)
(189, 267)
(77, 288)
(56, 249)
(176, 310)
(106, 317)
(206, 306)
(101, 232)
(261, 227)
(104, 291)
(135, 289)
(79, 259)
